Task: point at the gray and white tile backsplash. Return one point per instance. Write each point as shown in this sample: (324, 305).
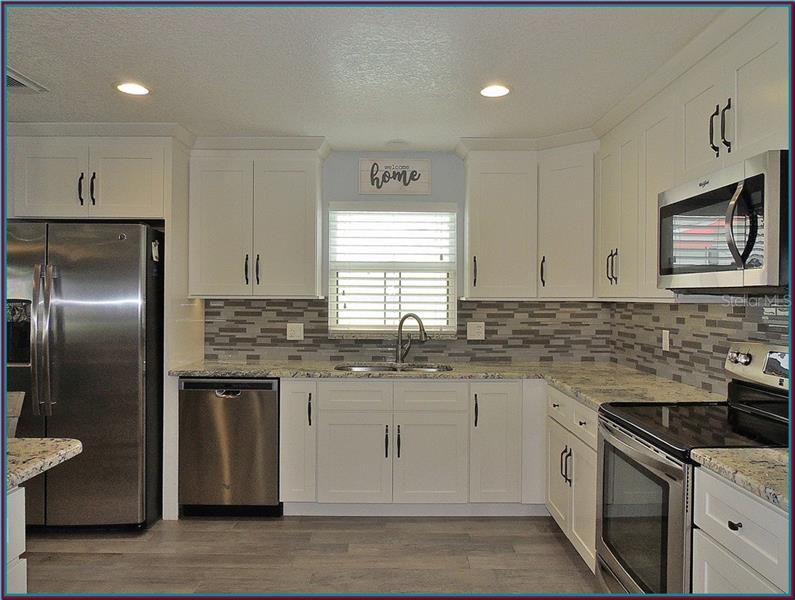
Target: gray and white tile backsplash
(626, 333)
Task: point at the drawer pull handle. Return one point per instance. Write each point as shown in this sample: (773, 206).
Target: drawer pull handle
(582, 423)
(735, 526)
(555, 405)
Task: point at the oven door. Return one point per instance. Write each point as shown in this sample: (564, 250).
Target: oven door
(642, 532)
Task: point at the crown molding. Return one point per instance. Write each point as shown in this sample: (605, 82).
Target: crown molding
(467, 145)
(725, 25)
(315, 144)
(171, 130)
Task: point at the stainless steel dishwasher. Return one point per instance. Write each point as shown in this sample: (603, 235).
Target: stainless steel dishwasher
(228, 442)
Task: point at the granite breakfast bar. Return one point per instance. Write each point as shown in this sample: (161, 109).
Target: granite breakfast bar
(27, 458)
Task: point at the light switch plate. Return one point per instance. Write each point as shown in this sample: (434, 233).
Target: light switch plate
(295, 332)
(476, 330)
(666, 340)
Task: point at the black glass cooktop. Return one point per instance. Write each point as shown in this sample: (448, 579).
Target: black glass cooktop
(679, 428)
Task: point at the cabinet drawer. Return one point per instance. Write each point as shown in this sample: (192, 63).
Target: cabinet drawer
(355, 395)
(431, 396)
(560, 406)
(716, 571)
(584, 424)
(16, 523)
(761, 538)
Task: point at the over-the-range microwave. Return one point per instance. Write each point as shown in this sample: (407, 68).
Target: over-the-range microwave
(727, 231)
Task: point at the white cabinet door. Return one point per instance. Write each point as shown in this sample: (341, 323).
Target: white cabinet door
(582, 472)
(661, 169)
(298, 416)
(220, 241)
(126, 179)
(49, 177)
(495, 442)
(286, 228)
(704, 94)
(609, 206)
(354, 457)
(558, 491)
(565, 222)
(625, 263)
(430, 456)
(717, 571)
(758, 85)
(502, 204)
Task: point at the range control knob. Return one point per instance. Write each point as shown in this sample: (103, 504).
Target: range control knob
(744, 358)
(732, 357)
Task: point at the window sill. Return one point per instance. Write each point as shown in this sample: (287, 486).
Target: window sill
(378, 335)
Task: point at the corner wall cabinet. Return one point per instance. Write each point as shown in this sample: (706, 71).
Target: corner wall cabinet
(501, 217)
(75, 177)
(571, 471)
(255, 224)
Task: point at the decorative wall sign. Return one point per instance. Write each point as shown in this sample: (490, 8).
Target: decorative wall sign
(394, 176)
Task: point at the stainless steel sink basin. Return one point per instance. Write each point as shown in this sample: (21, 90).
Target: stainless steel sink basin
(392, 368)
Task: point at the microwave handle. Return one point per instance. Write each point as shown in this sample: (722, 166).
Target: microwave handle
(730, 212)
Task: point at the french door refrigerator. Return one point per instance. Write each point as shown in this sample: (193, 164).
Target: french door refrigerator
(86, 348)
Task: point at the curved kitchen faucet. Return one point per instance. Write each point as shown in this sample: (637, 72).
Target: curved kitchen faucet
(400, 350)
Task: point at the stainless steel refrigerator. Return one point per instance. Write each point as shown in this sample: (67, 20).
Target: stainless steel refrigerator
(84, 329)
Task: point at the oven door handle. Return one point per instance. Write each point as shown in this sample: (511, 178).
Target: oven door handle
(657, 465)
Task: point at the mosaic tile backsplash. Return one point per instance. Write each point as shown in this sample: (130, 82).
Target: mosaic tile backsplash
(627, 333)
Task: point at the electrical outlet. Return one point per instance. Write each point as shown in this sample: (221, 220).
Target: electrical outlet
(295, 332)
(476, 330)
(666, 340)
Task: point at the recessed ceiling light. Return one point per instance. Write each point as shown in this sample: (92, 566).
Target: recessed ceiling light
(494, 91)
(134, 89)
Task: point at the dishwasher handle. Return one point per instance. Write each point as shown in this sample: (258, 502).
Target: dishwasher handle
(228, 388)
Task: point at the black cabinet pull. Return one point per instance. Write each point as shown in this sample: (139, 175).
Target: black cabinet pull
(475, 277)
(723, 139)
(566, 467)
(581, 423)
(735, 526)
(256, 269)
(562, 454)
(555, 405)
(476, 410)
(245, 269)
(613, 266)
(309, 409)
(80, 188)
(91, 188)
(607, 267)
(398, 442)
(386, 441)
(543, 281)
(712, 145)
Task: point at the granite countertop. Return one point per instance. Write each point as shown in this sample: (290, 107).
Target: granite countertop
(589, 382)
(761, 471)
(27, 457)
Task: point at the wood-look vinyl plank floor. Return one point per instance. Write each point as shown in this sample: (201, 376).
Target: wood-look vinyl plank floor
(320, 555)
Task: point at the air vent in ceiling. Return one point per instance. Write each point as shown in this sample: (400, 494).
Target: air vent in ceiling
(17, 82)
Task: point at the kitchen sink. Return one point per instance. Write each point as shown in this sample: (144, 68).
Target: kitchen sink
(392, 368)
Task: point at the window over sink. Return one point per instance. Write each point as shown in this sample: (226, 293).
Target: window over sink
(386, 263)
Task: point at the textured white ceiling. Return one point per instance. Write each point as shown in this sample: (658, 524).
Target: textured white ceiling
(360, 76)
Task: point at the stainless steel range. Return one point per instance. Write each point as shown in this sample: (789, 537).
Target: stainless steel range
(644, 520)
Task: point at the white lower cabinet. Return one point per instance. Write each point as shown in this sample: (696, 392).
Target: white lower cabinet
(430, 457)
(297, 441)
(571, 473)
(495, 469)
(354, 456)
(717, 571)
(16, 567)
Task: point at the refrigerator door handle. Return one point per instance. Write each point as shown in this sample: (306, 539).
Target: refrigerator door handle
(34, 340)
(49, 282)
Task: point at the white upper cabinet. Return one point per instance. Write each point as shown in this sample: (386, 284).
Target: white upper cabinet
(221, 234)
(566, 222)
(126, 178)
(255, 224)
(72, 177)
(286, 227)
(502, 210)
(495, 469)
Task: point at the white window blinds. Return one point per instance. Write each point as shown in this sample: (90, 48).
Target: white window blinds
(384, 264)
